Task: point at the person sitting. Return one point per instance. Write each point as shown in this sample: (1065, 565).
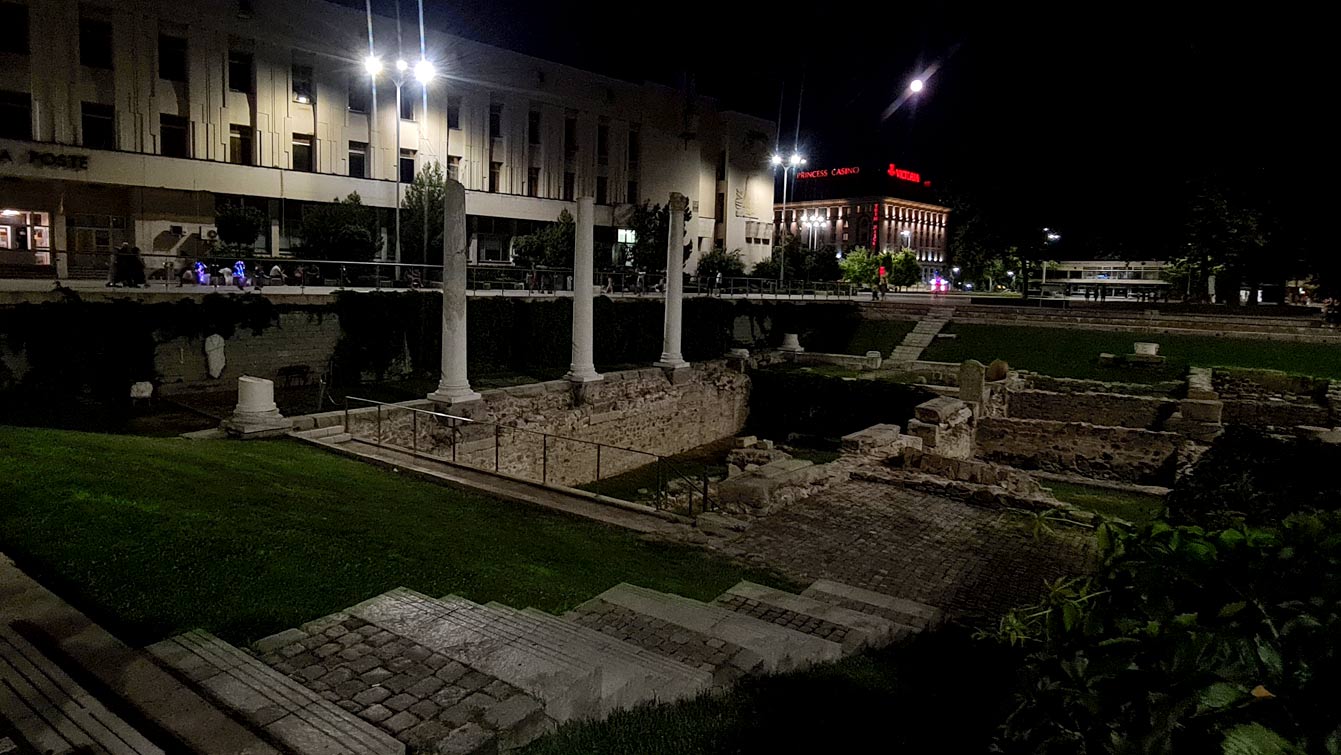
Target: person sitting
(276, 276)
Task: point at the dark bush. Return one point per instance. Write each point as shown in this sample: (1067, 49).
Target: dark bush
(828, 407)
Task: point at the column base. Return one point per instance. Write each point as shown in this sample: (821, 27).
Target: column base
(588, 375)
(670, 362)
(451, 395)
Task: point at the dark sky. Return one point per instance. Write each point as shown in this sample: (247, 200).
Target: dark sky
(1087, 117)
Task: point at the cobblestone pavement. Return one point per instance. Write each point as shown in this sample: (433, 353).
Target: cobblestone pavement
(782, 617)
(420, 697)
(725, 661)
(972, 562)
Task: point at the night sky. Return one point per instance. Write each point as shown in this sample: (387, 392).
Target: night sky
(1086, 118)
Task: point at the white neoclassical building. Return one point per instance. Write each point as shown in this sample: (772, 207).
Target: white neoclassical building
(132, 120)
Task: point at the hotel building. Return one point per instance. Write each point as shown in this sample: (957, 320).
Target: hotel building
(131, 121)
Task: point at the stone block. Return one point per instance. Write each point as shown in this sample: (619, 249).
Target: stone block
(873, 440)
(745, 441)
(764, 445)
(1201, 410)
(791, 343)
(1144, 348)
(1107, 360)
(972, 381)
(938, 410)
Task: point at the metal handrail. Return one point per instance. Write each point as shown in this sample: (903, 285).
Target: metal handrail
(664, 463)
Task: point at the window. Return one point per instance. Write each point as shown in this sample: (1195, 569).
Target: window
(454, 112)
(358, 159)
(303, 152)
(601, 189)
(495, 121)
(532, 182)
(721, 166)
(171, 58)
(570, 135)
(454, 167)
(407, 166)
(569, 185)
(95, 43)
(533, 127)
(495, 175)
(173, 136)
(239, 71)
(626, 236)
(14, 20)
(360, 93)
(603, 144)
(99, 126)
(635, 147)
(406, 107)
(302, 84)
(239, 145)
(16, 115)
(632, 197)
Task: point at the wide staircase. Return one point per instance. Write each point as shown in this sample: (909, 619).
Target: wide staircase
(406, 672)
(921, 336)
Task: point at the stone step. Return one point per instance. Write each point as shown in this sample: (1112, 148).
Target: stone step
(778, 648)
(853, 630)
(654, 677)
(322, 432)
(471, 634)
(900, 610)
(52, 712)
(289, 712)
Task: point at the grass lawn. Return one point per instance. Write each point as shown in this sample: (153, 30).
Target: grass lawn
(942, 693)
(1067, 352)
(153, 536)
(1137, 508)
(877, 335)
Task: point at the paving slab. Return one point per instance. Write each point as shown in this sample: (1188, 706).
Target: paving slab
(909, 612)
(852, 629)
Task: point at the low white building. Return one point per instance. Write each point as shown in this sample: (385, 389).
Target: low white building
(132, 120)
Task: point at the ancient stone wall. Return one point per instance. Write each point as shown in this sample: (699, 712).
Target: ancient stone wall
(1041, 382)
(1115, 453)
(299, 345)
(1274, 413)
(1111, 409)
(635, 409)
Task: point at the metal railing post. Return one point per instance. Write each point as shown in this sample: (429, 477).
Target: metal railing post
(456, 438)
(414, 430)
(598, 462)
(379, 424)
(544, 460)
(347, 429)
(498, 434)
(705, 494)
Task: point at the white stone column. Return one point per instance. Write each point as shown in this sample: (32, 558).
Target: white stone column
(454, 387)
(583, 368)
(671, 357)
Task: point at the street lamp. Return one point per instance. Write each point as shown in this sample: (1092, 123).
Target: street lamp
(791, 163)
(916, 86)
(813, 222)
(424, 72)
(954, 272)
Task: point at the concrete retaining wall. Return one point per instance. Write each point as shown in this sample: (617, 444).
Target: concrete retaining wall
(300, 340)
(1113, 453)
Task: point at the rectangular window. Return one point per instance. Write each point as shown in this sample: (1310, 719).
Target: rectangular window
(570, 136)
(16, 115)
(454, 112)
(358, 159)
(14, 20)
(302, 84)
(601, 189)
(406, 107)
(239, 145)
(99, 126)
(239, 71)
(533, 127)
(532, 182)
(495, 175)
(495, 121)
(173, 136)
(635, 147)
(721, 166)
(360, 93)
(603, 144)
(303, 158)
(626, 236)
(407, 166)
(95, 43)
(171, 58)
(454, 167)
(569, 185)
(632, 197)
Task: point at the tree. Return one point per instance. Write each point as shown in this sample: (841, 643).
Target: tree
(651, 227)
(860, 266)
(345, 229)
(767, 269)
(1225, 236)
(238, 226)
(904, 270)
(552, 246)
(729, 264)
(423, 199)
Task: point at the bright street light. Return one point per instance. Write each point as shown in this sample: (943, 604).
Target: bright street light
(373, 65)
(424, 71)
(916, 86)
(954, 270)
(777, 159)
(401, 65)
(796, 159)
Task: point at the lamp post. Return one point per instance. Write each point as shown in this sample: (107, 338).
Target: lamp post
(813, 222)
(954, 281)
(791, 163)
(424, 73)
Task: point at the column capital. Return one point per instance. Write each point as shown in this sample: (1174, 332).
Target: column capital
(678, 202)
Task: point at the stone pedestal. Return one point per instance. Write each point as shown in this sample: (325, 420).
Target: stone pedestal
(791, 342)
(582, 369)
(255, 415)
(671, 356)
(972, 384)
(1146, 349)
(454, 387)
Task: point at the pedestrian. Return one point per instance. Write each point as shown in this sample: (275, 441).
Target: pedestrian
(642, 282)
(277, 275)
(719, 283)
(609, 287)
(114, 264)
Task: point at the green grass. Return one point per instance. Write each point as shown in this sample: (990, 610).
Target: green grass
(1068, 352)
(1137, 508)
(154, 536)
(891, 701)
(877, 335)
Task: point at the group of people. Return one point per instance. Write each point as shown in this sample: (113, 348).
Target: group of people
(237, 275)
(126, 268)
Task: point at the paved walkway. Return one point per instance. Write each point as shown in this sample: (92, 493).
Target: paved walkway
(972, 562)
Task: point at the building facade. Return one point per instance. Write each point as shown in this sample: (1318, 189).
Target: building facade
(1121, 278)
(881, 223)
(131, 121)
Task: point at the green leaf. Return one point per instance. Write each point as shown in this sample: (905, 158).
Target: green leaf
(1220, 695)
(1199, 551)
(1185, 619)
(1229, 609)
(1269, 656)
(1231, 538)
(1256, 739)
